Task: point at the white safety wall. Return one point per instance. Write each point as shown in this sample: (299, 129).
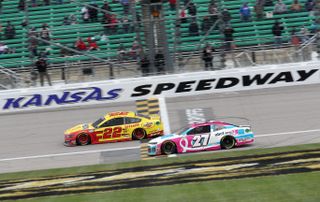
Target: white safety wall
(187, 84)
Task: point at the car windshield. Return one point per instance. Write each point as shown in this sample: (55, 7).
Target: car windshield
(97, 122)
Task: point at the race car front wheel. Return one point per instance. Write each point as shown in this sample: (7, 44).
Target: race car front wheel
(83, 139)
(228, 142)
(139, 134)
(168, 148)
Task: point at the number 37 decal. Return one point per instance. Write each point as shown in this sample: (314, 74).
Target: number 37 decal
(200, 140)
(110, 133)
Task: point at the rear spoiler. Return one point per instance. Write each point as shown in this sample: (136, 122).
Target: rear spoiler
(245, 126)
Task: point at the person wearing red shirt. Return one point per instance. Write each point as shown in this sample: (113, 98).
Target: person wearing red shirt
(92, 45)
(80, 45)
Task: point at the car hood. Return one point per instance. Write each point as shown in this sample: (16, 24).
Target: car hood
(78, 127)
(162, 138)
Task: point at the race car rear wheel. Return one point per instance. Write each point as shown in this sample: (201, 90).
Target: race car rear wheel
(139, 134)
(83, 139)
(169, 148)
(228, 142)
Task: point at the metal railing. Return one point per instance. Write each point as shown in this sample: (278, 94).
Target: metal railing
(15, 80)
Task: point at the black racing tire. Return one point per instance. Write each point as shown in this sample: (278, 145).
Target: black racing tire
(227, 142)
(139, 134)
(83, 139)
(168, 147)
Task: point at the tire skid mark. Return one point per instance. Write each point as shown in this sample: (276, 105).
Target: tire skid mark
(166, 174)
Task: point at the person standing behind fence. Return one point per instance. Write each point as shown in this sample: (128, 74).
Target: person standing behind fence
(207, 56)
(42, 66)
(277, 33)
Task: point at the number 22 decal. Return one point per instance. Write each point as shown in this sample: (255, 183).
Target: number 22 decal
(200, 140)
(110, 133)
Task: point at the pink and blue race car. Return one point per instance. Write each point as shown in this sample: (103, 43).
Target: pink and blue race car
(207, 136)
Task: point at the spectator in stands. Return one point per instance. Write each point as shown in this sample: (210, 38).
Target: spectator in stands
(92, 44)
(144, 65)
(0, 30)
(42, 66)
(106, 21)
(295, 41)
(85, 14)
(33, 49)
(207, 57)
(214, 13)
(45, 32)
(206, 24)
(310, 5)
(1, 6)
(122, 53)
(304, 34)
(183, 16)
(33, 33)
(21, 5)
(113, 24)
(228, 37)
(135, 50)
(93, 12)
(268, 3)
(277, 29)
(104, 38)
(125, 24)
(4, 49)
(59, 1)
(193, 28)
(259, 9)
(66, 20)
(24, 23)
(73, 19)
(295, 6)
(159, 62)
(245, 12)
(34, 3)
(226, 16)
(212, 9)
(192, 9)
(105, 7)
(10, 31)
(314, 27)
(80, 45)
(172, 4)
(280, 8)
(125, 4)
(46, 2)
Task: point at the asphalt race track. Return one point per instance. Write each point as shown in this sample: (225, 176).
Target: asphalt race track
(281, 116)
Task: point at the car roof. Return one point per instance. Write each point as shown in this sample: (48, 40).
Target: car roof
(210, 123)
(120, 114)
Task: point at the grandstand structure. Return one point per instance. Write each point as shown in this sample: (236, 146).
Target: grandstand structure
(155, 27)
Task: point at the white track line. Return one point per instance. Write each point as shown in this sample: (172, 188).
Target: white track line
(288, 133)
(164, 115)
(69, 154)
